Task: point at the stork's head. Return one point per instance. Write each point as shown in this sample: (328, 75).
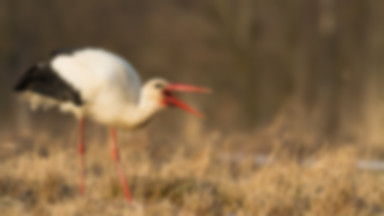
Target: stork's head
(160, 93)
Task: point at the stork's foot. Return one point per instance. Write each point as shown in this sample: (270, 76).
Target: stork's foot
(81, 152)
(81, 188)
(116, 159)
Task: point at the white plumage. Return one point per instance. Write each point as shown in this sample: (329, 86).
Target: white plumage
(108, 85)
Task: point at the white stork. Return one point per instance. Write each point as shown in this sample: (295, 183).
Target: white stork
(97, 84)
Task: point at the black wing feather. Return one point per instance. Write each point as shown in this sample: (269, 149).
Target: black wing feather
(42, 79)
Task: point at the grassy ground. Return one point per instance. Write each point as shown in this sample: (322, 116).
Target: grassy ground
(191, 180)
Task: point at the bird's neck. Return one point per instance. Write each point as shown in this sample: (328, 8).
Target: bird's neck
(140, 114)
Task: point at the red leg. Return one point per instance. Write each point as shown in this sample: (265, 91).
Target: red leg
(116, 158)
(81, 151)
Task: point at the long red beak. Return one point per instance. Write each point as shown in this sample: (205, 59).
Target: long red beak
(171, 100)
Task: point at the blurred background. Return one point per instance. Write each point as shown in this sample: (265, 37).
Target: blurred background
(303, 74)
(310, 68)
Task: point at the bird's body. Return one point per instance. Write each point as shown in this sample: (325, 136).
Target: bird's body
(100, 85)
(102, 79)
(108, 87)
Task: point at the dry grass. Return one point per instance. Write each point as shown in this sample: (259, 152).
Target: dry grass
(191, 181)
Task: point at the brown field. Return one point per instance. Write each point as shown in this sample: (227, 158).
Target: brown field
(187, 179)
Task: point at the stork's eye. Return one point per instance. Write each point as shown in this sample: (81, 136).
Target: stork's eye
(159, 86)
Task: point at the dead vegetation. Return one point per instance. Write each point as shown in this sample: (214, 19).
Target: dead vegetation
(193, 180)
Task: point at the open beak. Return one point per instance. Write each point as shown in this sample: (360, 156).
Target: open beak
(171, 100)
